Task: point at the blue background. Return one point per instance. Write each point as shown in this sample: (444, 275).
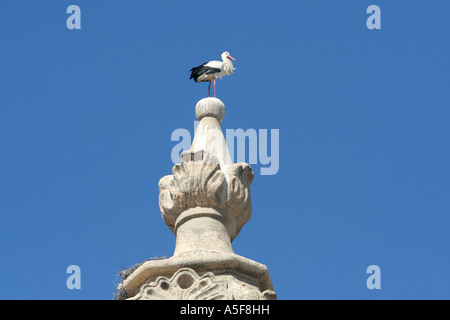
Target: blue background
(86, 118)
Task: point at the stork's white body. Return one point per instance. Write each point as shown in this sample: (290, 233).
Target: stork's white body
(225, 67)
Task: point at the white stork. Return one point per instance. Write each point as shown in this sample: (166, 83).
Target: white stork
(212, 70)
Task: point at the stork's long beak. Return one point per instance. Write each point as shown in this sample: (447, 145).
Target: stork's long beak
(230, 57)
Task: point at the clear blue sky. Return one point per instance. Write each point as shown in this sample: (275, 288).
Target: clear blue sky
(86, 118)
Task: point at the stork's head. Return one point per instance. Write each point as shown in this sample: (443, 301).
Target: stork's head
(227, 55)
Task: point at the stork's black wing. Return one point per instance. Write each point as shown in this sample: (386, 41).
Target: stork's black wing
(203, 69)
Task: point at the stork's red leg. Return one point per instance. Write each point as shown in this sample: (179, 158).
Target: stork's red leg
(209, 89)
(214, 88)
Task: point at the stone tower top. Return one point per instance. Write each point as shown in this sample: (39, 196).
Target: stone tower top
(205, 202)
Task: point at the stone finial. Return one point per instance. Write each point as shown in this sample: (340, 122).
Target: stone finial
(209, 136)
(207, 187)
(210, 107)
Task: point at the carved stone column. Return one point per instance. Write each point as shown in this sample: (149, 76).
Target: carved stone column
(205, 202)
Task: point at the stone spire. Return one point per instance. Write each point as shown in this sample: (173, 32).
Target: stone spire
(205, 202)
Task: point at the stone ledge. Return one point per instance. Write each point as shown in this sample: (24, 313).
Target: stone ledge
(215, 263)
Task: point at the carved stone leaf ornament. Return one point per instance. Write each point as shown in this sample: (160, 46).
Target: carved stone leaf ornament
(198, 181)
(186, 284)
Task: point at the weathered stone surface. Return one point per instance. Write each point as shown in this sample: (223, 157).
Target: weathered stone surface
(186, 284)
